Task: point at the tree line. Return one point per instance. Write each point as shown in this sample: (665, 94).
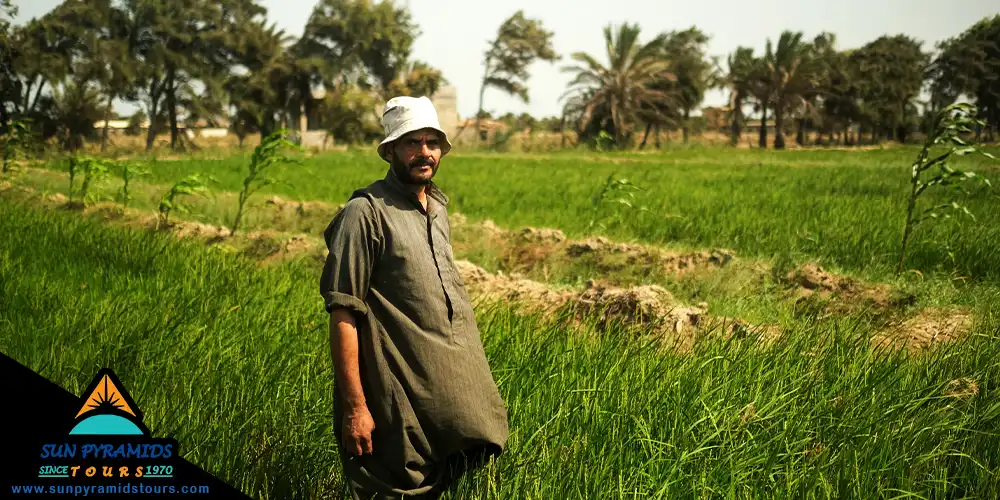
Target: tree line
(842, 96)
(185, 62)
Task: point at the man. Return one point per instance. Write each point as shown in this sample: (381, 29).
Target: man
(414, 394)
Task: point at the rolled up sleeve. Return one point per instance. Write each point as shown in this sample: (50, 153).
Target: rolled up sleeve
(354, 240)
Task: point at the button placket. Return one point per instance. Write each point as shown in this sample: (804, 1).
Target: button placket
(435, 255)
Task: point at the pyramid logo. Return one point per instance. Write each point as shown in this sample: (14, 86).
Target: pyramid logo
(108, 409)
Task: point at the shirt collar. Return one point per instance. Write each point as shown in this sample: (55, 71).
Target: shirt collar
(434, 192)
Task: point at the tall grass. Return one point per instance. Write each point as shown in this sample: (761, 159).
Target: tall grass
(233, 361)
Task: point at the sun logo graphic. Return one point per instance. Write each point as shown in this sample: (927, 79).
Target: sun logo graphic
(108, 440)
(108, 410)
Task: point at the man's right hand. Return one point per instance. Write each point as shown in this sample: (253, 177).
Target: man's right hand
(358, 427)
(358, 423)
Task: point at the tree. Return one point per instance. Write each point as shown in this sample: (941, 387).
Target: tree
(8, 77)
(523, 121)
(819, 56)
(519, 43)
(791, 75)
(386, 55)
(349, 45)
(76, 106)
(762, 90)
(349, 116)
(7, 12)
(741, 65)
(612, 98)
(135, 123)
(362, 41)
(163, 34)
(258, 88)
(218, 45)
(417, 78)
(106, 54)
(893, 70)
(550, 124)
(42, 57)
(969, 65)
(840, 100)
(49, 81)
(694, 73)
(187, 49)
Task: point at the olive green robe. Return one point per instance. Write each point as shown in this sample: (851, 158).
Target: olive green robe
(425, 375)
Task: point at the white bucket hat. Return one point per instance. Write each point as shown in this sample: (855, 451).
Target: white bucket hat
(405, 114)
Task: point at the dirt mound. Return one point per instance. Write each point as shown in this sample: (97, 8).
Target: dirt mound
(647, 305)
(310, 217)
(57, 198)
(476, 233)
(108, 211)
(457, 219)
(301, 207)
(811, 284)
(491, 228)
(680, 263)
(299, 243)
(181, 228)
(633, 306)
(613, 256)
(543, 235)
(535, 295)
(192, 229)
(530, 249)
(929, 327)
(601, 244)
(472, 237)
(270, 247)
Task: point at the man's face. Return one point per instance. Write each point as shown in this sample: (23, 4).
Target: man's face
(416, 156)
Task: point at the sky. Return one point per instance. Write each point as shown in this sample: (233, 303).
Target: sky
(455, 33)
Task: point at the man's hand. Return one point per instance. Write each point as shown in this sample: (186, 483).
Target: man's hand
(358, 427)
(358, 422)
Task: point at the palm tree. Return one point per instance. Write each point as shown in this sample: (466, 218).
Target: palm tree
(665, 113)
(791, 78)
(258, 94)
(739, 79)
(76, 106)
(694, 70)
(761, 89)
(615, 97)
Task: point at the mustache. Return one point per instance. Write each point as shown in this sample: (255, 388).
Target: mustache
(420, 162)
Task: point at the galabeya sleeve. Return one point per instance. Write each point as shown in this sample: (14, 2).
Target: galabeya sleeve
(354, 241)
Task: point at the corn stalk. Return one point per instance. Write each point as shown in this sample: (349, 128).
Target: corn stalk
(15, 143)
(192, 184)
(265, 156)
(948, 127)
(92, 169)
(129, 172)
(609, 200)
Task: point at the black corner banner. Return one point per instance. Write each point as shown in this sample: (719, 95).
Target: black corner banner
(93, 445)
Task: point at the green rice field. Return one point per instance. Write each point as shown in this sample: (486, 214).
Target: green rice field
(232, 358)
